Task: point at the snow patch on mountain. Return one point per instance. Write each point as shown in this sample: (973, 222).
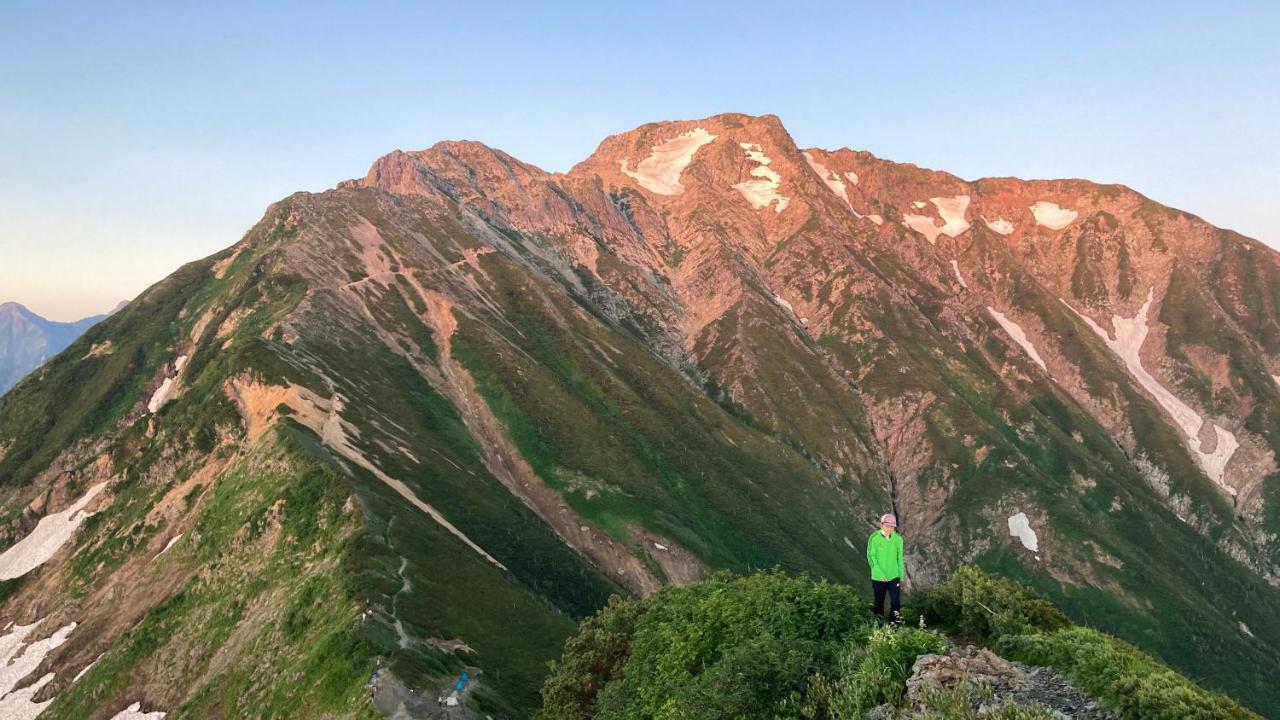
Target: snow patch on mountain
(1052, 216)
(955, 266)
(1000, 225)
(660, 172)
(51, 533)
(831, 179)
(1015, 331)
(161, 396)
(778, 299)
(165, 391)
(951, 210)
(18, 659)
(85, 670)
(134, 712)
(762, 189)
(1020, 527)
(1215, 463)
(838, 187)
(1130, 334)
(169, 545)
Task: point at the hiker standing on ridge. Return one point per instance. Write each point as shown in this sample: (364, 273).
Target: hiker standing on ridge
(884, 555)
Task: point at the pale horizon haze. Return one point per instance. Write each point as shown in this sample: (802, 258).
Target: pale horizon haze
(139, 137)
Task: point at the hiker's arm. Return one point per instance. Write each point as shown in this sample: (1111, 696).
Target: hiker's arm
(902, 563)
(871, 560)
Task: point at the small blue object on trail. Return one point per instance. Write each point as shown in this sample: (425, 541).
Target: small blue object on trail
(465, 677)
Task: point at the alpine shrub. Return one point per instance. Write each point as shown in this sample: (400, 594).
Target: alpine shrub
(984, 606)
(729, 647)
(1120, 675)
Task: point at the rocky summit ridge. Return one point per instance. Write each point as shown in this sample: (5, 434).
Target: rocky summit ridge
(422, 422)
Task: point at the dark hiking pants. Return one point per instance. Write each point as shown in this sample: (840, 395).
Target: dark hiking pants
(894, 589)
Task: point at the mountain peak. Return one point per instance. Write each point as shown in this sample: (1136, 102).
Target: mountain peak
(17, 312)
(452, 167)
(702, 348)
(721, 152)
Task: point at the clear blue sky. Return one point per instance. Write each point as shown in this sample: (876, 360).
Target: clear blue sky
(135, 136)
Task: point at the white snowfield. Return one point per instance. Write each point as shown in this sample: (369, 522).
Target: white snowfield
(51, 533)
(999, 225)
(832, 180)
(956, 267)
(134, 712)
(163, 393)
(660, 172)
(1020, 528)
(838, 187)
(1051, 216)
(762, 190)
(18, 659)
(1015, 331)
(951, 210)
(1129, 335)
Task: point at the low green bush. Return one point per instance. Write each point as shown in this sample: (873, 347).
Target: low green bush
(983, 606)
(772, 646)
(1120, 675)
(729, 647)
(591, 659)
(871, 672)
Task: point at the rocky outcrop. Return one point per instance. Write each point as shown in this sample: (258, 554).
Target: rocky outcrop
(991, 682)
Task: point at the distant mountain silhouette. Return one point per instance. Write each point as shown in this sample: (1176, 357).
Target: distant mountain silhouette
(27, 340)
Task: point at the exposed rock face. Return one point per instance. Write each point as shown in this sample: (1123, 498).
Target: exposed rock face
(993, 682)
(702, 347)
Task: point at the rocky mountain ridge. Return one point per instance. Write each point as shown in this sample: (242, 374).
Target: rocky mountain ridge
(500, 394)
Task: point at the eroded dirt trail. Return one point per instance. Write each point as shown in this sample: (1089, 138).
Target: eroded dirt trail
(258, 403)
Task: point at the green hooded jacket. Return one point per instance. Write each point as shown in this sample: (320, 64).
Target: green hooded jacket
(884, 555)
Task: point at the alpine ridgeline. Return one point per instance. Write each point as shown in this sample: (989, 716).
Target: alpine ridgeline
(420, 424)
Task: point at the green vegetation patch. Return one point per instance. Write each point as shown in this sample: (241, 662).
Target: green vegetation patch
(266, 628)
(729, 647)
(776, 646)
